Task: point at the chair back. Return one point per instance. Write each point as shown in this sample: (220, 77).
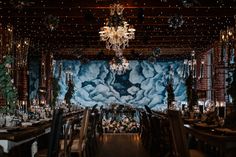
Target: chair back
(84, 126)
(83, 122)
(94, 107)
(69, 136)
(179, 141)
(86, 123)
(149, 111)
(56, 126)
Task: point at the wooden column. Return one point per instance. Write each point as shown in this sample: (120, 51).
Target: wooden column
(22, 84)
(220, 71)
(49, 72)
(43, 80)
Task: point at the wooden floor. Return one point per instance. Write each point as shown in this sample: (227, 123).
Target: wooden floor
(121, 145)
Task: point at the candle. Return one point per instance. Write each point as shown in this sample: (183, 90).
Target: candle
(201, 69)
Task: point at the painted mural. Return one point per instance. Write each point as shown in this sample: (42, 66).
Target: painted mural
(143, 84)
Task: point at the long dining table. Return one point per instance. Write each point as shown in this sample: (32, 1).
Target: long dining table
(213, 136)
(12, 138)
(19, 136)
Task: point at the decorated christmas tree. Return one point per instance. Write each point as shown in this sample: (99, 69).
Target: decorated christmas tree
(7, 88)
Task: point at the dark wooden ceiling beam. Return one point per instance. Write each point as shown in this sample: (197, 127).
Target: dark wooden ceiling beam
(79, 23)
(130, 12)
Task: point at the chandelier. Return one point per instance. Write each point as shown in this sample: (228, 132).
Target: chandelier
(227, 41)
(119, 65)
(116, 32)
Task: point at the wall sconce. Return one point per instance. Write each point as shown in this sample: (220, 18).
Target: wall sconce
(201, 70)
(190, 66)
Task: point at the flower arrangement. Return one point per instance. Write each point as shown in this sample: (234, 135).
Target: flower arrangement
(124, 125)
(120, 119)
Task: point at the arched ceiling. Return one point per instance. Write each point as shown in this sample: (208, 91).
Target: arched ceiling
(79, 22)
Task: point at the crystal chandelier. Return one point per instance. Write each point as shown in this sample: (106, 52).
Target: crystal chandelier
(116, 32)
(119, 65)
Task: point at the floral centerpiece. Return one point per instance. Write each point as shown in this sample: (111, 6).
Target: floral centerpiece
(120, 119)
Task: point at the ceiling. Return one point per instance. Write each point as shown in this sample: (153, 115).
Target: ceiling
(77, 23)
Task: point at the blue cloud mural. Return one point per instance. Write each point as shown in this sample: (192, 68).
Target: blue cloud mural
(143, 84)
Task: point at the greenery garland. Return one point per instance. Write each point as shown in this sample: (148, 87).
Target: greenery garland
(56, 89)
(170, 94)
(69, 92)
(7, 87)
(192, 97)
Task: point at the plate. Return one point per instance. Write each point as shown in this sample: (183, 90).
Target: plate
(3, 130)
(35, 121)
(25, 124)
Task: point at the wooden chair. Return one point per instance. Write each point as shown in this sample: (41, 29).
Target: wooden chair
(155, 134)
(179, 141)
(79, 143)
(99, 122)
(1, 151)
(92, 132)
(69, 136)
(145, 128)
(53, 148)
